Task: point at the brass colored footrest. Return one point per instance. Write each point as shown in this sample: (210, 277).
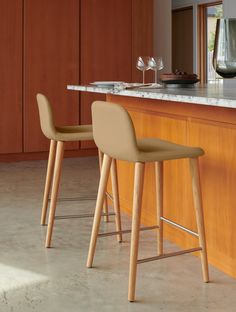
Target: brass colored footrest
(109, 196)
(127, 231)
(171, 254)
(80, 198)
(86, 215)
(179, 227)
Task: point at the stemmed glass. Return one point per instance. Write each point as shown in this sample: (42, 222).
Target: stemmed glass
(155, 63)
(142, 64)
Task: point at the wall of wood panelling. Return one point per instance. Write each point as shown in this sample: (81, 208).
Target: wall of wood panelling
(51, 61)
(56, 43)
(113, 34)
(142, 35)
(11, 76)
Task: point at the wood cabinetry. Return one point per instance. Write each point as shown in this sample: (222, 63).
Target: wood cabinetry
(47, 45)
(106, 46)
(213, 129)
(142, 35)
(113, 34)
(11, 76)
(51, 61)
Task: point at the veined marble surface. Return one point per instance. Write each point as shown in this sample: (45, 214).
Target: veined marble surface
(213, 95)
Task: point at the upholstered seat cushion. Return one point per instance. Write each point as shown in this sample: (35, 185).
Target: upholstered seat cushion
(66, 133)
(74, 133)
(154, 149)
(115, 136)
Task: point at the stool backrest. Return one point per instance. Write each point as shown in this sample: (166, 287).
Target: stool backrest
(46, 116)
(113, 130)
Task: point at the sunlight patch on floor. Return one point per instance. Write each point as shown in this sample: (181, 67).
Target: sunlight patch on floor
(12, 278)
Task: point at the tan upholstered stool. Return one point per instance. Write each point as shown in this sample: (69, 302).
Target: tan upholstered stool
(57, 136)
(114, 135)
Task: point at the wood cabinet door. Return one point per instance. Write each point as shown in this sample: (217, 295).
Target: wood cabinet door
(142, 36)
(218, 176)
(106, 46)
(51, 62)
(11, 76)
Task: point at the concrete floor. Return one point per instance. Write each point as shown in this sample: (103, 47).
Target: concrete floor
(33, 278)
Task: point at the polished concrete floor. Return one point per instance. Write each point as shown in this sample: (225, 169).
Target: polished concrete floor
(33, 278)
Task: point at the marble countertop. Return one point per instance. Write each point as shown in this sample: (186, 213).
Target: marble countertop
(213, 95)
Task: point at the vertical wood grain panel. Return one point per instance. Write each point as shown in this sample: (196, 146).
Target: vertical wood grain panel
(142, 35)
(11, 76)
(106, 46)
(218, 171)
(51, 61)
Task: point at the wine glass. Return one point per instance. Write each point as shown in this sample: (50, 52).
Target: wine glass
(142, 64)
(155, 63)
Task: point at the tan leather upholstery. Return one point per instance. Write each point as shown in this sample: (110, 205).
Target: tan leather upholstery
(67, 133)
(114, 135)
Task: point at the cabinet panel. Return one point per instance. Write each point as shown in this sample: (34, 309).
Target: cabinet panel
(51, 61)
(106, 45)
(11, 76)
(142, 36)
(218, 175)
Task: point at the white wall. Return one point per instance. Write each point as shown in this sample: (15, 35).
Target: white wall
(162, 31)
(229, 8)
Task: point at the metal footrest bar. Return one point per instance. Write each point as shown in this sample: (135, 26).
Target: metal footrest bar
(168, 255)
(109, 196)
(86, 215)
(179, 226)
(147, 228)
(80, 198)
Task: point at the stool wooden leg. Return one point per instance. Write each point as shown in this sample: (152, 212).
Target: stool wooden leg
(105, 203)
(116, 200)
(194, 168)
(159, 204)
(137, 204)
(98, 210)
(50, 167)
(54, 193)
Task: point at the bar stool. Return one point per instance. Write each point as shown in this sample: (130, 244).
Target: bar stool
(57, 137)
(115, 136)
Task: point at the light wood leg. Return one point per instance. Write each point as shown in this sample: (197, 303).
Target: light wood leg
(159, 204)
(105, 203)
(137, 204)
(98, 210)
(54, 193)
(116, 200)
(197, 197)
(50, 167)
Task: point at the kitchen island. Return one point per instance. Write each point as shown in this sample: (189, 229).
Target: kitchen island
(202, 116)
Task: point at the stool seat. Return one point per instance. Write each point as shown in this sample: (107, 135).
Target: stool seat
(115, 136)
(153, 149)
(74, 133)
(57, 136)
(64, 134)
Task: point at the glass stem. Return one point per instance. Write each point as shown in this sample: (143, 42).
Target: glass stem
(155, 76)
(143, 76)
